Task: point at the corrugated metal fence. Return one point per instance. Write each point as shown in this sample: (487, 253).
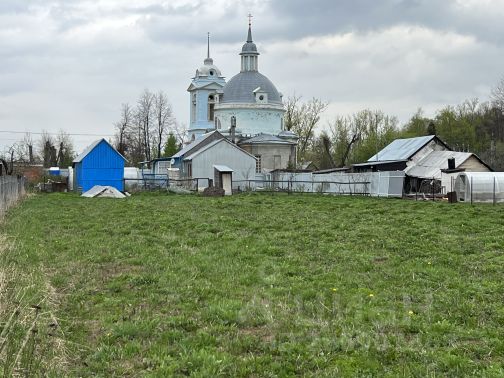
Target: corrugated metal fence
(12, 189)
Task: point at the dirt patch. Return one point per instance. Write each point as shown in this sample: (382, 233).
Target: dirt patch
(114, 269)
(262, 333)
(380, 260)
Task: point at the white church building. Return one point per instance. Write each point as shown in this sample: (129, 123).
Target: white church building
(248, 110)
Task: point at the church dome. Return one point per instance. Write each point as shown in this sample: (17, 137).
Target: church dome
(249, 47)
(208, 70)
(240, 89)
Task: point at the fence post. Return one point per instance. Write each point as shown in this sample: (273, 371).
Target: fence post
(494, 199)
(471, 190)
(433, 187)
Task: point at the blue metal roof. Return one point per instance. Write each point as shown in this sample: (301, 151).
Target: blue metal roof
(402, 149)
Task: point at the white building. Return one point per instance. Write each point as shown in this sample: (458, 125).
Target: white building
(424, 160)
(197, 160)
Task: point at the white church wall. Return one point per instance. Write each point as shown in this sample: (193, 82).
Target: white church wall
(273, 156)
(251, 120)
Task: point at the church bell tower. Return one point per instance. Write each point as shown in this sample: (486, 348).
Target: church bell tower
(203, 91)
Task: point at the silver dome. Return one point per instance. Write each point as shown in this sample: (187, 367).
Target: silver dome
(249, 48)
(240, 89)
(209, 69)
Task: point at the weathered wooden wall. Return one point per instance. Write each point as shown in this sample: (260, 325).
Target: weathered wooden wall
(12, 189)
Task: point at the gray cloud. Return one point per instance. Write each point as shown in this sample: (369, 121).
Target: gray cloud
(70, 64)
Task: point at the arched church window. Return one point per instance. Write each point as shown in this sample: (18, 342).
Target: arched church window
(211, 107)
(193, 107)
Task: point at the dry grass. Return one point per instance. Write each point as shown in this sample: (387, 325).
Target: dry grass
(31, 341)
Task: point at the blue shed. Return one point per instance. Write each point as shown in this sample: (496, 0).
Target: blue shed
(99, 164)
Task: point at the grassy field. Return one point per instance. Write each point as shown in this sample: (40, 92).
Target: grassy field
(251, 285)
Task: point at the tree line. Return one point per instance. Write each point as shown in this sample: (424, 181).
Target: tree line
(471, 126)
(149, 130)
(48, 150)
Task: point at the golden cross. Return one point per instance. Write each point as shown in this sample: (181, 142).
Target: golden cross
(250, 18)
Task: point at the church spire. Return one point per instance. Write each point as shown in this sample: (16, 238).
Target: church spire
(208, 60)
(208, 45)
(249, 36)
(249, 51)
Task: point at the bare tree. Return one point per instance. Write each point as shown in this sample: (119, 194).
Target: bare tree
(136, 150)
(123, 128)
(164, 120)
(180, 132)
(326, 143)
(27, 147)
(145, 110)
(47, 150)
(141, 132)
(305, 119)
(292, 112)
(66, 151)
(497, 95)
(7, 161)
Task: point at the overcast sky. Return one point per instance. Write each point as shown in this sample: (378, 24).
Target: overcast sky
(69, 64)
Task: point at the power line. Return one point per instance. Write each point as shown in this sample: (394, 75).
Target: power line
(40, 133)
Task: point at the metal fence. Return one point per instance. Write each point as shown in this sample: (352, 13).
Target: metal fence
(304, 186)
(159, 182)
(12, 189)
(376, 184)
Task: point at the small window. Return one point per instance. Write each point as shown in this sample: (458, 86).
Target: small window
(211, 73)
(261, 97)
(258, 163)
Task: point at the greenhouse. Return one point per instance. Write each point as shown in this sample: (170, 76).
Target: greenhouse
(480, 187)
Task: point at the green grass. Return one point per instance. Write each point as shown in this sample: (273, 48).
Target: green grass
(261, 285)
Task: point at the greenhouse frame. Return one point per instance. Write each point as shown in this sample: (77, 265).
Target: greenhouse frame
(480, 187)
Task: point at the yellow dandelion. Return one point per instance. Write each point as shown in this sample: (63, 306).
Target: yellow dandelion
(334, 289)
(411, 312)
(371, 295)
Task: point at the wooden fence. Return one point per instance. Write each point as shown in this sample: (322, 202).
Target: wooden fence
(12, 189)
